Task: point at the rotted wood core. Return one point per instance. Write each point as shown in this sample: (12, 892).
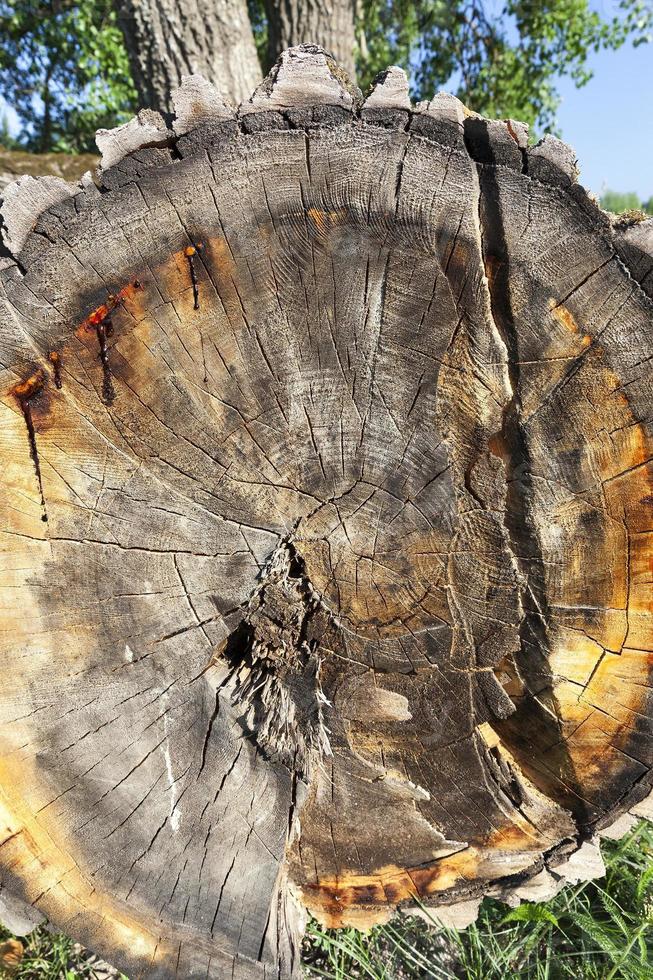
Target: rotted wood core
(339, 414)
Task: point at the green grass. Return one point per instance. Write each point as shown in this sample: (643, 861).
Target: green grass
(601, 930)
(52, 956)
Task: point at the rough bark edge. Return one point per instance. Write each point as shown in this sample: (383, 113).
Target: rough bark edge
(633, 238)
(388, 101)
(307, 89)
(148, 128)
(196, 102)
(24, 200)
(585, 863)
(303, 76)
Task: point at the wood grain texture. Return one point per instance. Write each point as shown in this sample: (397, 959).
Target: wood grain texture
(326, 529)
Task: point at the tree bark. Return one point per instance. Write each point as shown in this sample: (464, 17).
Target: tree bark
(329, 23)
(326, 519)
(167, 39)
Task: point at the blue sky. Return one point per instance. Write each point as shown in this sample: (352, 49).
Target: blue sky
(609, 121)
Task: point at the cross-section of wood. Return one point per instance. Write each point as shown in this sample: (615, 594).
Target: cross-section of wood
(326, 526)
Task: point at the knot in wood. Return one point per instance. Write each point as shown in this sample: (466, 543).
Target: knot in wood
(274, 665)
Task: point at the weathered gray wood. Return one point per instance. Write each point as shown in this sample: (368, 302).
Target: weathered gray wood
(197, 103)
(304, 77)
(634, 243)
(24, 200)
(326, 515)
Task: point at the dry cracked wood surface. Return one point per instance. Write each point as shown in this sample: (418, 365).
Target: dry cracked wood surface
(326, 524)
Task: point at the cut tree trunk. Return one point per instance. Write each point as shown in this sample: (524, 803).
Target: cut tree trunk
(330, 23)
(326, 525)
(167, 39)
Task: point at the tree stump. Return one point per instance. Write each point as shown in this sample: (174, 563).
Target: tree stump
(326, 524)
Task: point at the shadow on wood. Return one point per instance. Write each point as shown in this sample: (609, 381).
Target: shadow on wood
(326, 524)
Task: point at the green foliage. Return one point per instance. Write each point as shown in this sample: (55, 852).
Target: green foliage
(503, 59)
(618, 202)
(530, 913)
(599, 930)
(259, 21)
(6, 139)
(64, 69)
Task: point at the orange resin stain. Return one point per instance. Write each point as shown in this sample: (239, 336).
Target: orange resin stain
(190, 252)
(566, 318)
(24, 391)
(101, 313)
(55, 360)
(362, 901)
(99, 321)
(30, 387)
(325, 220)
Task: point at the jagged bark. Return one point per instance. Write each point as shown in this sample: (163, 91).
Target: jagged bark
(329, 23)
(167, 39)
(326, 520)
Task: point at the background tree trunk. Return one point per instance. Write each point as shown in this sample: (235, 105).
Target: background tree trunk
(166, 39)
(325, 513)
(329, 23)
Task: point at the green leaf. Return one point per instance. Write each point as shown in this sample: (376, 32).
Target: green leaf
(51, 57)
(530, 913)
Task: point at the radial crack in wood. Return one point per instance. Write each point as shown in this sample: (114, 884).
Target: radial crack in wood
(339, 415)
